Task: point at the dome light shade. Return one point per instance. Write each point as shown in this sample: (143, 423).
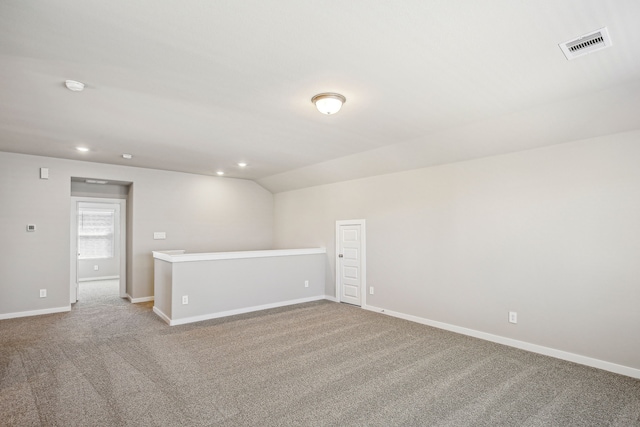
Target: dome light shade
(328, 103)
(74, 85)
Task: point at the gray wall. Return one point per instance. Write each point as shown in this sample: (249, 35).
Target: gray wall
(198, 213)
(106, 191)
(235, 284)
(163, 286)
(107, 267)
(551, 233)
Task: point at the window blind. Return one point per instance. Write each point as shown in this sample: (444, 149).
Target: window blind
(96, 233)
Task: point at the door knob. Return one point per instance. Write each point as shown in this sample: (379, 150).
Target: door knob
(340, 256)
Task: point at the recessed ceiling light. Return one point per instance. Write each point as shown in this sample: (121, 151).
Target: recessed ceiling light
(328, 103)
(83, 149)
(95, 181)
(74, 85)
(127, 156)
(242, 164)
(220, 173)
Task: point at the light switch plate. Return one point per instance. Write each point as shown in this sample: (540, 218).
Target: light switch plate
(159, 235)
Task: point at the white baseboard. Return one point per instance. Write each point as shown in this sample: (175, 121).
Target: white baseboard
(35, 312)
(547, 351)
(163, 316)
(174, 322)
(94, 279)
(330, 298)
(137, 300)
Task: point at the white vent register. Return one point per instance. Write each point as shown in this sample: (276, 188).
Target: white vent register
(586, 43)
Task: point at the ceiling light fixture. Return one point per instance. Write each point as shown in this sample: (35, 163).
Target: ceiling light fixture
(83, 149)
(242, 164)
(127, 156)
(220, 173)
(74, 85)
(328, 103)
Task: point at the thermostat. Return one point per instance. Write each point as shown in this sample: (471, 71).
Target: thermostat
(31, 227)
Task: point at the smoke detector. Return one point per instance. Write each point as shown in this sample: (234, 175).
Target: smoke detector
(586, 43)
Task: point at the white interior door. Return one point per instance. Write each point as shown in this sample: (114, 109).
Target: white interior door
(350, 271)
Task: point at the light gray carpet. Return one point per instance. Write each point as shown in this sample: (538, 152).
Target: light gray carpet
(112, 363)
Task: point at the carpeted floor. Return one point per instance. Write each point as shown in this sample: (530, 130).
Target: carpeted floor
(104, 291)
(112, 363)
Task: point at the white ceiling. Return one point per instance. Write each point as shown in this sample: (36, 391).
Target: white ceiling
(198, 86)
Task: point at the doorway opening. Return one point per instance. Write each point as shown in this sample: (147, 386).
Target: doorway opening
(351, 275)
(98, 249)
(98, 290)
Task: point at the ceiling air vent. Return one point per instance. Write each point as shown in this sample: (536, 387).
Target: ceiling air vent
(587, 43)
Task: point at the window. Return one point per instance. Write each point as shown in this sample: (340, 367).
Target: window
(96, 233)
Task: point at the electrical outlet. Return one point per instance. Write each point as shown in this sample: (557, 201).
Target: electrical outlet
(306, 283)
(185, 299)
(513, 317)
(43, 293)
(370, 290)
(95, 268)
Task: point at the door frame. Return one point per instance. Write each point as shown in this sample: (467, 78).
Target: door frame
(363, 258)
(73, 243)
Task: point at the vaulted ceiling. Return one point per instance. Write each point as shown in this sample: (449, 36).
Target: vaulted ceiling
(198, 86)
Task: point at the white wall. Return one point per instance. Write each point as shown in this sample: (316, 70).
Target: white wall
(198, 213)
(552, 233)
